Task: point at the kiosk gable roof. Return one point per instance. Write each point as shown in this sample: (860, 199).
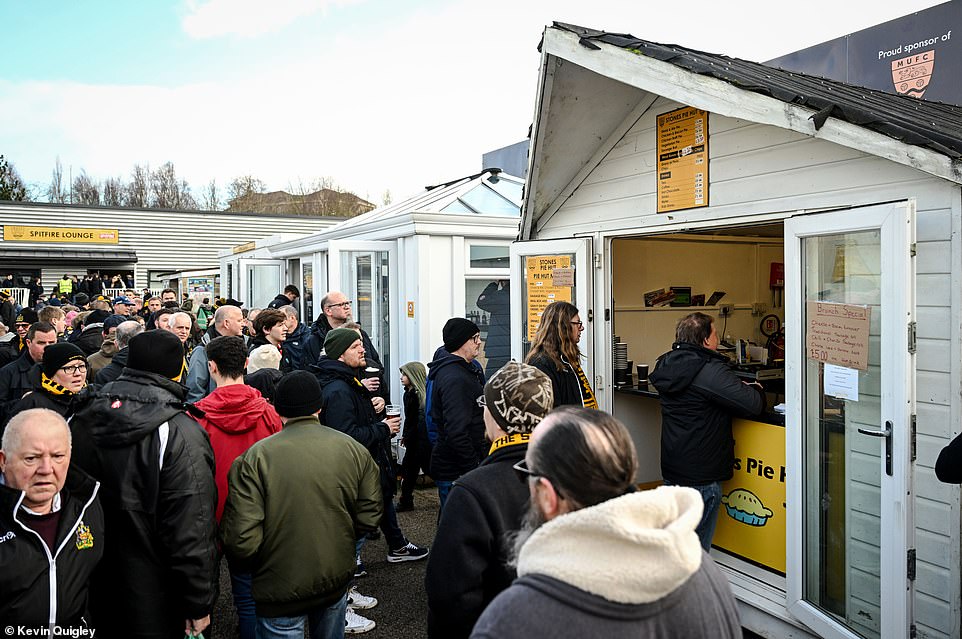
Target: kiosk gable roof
(490, 192)
(594, 85)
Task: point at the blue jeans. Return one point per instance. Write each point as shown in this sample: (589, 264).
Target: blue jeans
(444, 487)
(711, 496)
(240, 583)
(323, 623)
(389, 527)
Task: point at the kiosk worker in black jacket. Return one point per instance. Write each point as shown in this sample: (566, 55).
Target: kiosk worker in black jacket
(699, 395)
(51, 524)
(159, 575)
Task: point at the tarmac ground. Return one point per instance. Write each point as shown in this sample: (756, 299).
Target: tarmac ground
(402, 608)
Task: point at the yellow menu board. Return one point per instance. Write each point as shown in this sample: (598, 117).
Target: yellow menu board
(751, 520)
(682, 159)
(548, 278)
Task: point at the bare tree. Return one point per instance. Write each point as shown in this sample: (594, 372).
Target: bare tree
(112, 193)
(137, 191)
(164, 188)
(386, 198)
(243, 186)
(85, 191)
(210, 201)
(56, 192)
(11, 184)
(185, 199)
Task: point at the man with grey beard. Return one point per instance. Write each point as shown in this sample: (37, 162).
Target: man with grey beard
(597, 559)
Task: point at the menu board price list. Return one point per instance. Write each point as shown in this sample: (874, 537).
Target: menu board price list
(682, 154)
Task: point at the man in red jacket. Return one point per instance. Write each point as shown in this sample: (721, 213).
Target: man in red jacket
(235, 417)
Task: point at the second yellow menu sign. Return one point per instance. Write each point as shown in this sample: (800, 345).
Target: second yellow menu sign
(682, 159)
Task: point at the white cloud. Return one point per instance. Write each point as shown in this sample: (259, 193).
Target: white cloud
(246, 18)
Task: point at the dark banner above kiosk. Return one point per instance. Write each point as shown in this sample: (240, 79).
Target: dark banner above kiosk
(918, 55)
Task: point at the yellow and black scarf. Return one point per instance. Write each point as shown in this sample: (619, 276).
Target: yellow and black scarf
(514, 439)
(53, 387)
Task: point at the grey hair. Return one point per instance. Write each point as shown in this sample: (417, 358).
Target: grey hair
(173, 316)
(13, 435)
(290, 311)
(126, 331)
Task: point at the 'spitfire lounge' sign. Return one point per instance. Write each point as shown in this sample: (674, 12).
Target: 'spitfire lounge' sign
(60, 235)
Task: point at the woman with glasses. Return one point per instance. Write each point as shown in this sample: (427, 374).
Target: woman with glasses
(555, 351)
(61, 377)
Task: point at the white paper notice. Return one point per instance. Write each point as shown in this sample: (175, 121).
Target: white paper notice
(841, 382)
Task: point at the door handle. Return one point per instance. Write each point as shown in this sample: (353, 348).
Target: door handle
(887, 434)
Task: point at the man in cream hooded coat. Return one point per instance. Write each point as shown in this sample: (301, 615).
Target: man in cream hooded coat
(595, 558)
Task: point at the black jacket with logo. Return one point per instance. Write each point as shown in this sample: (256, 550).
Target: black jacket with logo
(313, 348)
(156, 469)
(16, 379)
(564, 383)
(699, 396)
(26, 567)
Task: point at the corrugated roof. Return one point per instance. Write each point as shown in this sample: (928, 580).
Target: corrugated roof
(932, 125)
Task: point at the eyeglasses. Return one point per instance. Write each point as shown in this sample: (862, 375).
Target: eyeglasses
(579, 324)
(73, 370)
(524, 473)
(341, 305)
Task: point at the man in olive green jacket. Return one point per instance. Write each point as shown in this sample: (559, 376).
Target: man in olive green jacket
(296, 503)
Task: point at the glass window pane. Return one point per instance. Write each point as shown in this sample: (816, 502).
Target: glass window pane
(489, 256)
(368, 286)
(263, 279)
(485, 201)
(842, 467)
(488, 305)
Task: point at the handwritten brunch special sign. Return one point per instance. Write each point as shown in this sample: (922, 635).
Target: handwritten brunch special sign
(838, 333)
(548, 278)
(682, 159)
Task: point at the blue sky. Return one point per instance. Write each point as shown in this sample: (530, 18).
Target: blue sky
(373, 94)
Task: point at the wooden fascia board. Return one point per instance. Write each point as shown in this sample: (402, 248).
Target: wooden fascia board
(541, 104)
(723, 98)
(616, 136)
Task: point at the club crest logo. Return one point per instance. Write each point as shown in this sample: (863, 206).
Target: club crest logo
(911, 75)
(85, 538)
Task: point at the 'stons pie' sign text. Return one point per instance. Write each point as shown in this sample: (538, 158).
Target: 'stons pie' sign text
(838, 333)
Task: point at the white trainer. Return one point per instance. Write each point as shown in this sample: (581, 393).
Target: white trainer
(357, 601)
(355, 624)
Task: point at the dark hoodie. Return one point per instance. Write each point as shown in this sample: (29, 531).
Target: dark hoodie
(156, 468)
(234, 417)
(313, 347)
(455, 385)
(699, 396)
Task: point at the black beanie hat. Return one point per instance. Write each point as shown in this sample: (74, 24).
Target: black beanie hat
(96, 317)
(338, 341)
(81, 299)
(57, 355)
(27, 315)
(297, 394)
(157, 352)
(457, 331)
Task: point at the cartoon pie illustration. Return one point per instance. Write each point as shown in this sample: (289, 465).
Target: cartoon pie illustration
(743, 506)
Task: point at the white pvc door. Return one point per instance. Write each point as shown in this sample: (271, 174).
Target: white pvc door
(850, 402)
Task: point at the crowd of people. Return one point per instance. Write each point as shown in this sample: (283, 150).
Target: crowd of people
(139, 449)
